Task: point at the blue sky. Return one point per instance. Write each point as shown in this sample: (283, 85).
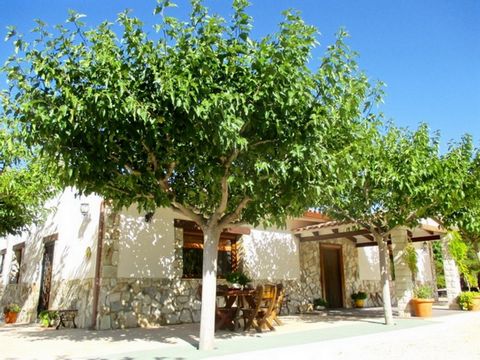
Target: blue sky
(427, 52)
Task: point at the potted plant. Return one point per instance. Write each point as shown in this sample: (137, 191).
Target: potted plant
(319, 304)
(237, 279)
(11, 312)
(423, 301)
(469, 300)
(359, 298)
(48, 318)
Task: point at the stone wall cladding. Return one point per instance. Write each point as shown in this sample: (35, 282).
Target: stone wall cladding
(149, 302)
(26, 296)
(310, 284)
(74, 294)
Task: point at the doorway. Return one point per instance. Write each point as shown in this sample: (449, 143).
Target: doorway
(46, 279)
(331, 263)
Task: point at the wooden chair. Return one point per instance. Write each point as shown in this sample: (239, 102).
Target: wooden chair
(224, 316)
(259, 316)
(278, 304)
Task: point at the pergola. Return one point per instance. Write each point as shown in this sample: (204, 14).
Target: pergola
(330, 230)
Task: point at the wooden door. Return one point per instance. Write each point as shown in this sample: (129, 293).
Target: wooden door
(46, 280)
(332, 275)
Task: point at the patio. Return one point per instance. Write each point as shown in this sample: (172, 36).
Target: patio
(180, 341)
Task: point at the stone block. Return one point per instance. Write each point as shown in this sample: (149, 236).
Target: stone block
(116, 306)
(147, 300)
(105, 323)
(115, 297)
(109, 271)
(130, 320)
(115, 258)
(171, 318)
(196, 315)
(182, 299)
(186, 316)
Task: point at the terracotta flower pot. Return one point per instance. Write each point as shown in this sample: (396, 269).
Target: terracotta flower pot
(10, 317)
(359, 303)
(422, 307)
(475, 305)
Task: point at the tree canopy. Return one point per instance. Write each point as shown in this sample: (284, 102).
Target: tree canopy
(392, 177)
(199, 117)
(25, 184)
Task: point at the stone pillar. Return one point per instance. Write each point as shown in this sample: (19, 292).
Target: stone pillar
(403, 275)
(452, 277)
(109, 302)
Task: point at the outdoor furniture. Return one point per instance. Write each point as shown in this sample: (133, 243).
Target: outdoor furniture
(280, 295)
(259, 315)
(227, 316)
(242, 298)
(66, 315)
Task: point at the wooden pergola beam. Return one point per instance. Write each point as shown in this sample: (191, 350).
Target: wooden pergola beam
(415, 239)
(369, 237)
(334, 235)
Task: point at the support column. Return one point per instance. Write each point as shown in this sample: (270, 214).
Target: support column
(452, 277)
(109, 301)
(403, 275)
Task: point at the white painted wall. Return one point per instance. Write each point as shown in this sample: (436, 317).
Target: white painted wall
(75, 232)
(147, 249)
(368, 263)
(424, 263)
(271, 255)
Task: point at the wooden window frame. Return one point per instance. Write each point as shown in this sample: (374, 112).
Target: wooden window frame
(18, 247)
(193, 239)
(3, 254)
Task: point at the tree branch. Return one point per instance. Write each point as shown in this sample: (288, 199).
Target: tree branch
(189, 213)
(224, 184)
(234, 216)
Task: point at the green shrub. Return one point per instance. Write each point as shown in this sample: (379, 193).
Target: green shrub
(320, 302)
(359, 295)
(423, 292)
(465, 299)
(48, 318)
(410, 257)
(12, 307)
(237, 278)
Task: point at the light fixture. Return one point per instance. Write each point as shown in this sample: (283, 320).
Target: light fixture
(84, 208)
(425, 246)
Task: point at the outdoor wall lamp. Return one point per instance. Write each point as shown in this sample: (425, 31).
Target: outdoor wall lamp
(84, 208)
(425, 246)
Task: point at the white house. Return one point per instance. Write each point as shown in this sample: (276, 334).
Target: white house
(131, 269)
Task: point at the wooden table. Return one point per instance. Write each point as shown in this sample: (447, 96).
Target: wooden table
(231, 314)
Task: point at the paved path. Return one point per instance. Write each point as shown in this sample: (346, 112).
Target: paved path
(455, 336)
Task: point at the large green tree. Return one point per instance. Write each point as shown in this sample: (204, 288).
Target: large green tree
(200, 117)
(25, 184)
(390, 177)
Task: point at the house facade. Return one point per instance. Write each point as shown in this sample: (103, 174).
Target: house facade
(127, 269)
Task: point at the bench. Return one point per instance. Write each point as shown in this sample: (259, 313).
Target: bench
(65, 315)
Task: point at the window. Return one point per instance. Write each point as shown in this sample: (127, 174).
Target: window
(2, 259)
(193, 251)
(15, 267)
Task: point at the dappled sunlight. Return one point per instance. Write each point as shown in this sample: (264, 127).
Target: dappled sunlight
(271, 255)
(147, 249)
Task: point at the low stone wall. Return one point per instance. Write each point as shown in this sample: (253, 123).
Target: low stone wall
(127, 303)
(74, 294)
(26, 296)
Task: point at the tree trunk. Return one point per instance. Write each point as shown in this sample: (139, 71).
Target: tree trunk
(211, 236)
(387, 302)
